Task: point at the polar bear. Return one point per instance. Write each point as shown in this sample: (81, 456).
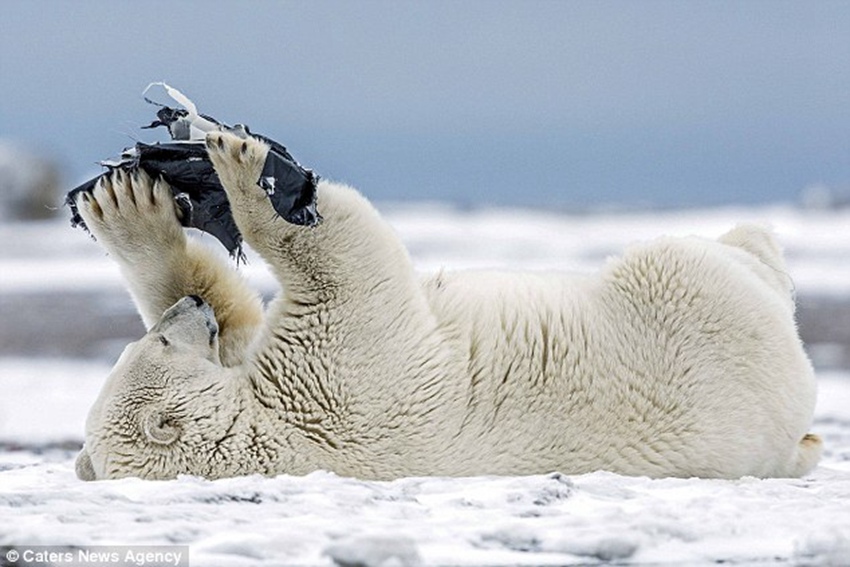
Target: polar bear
(680, 358)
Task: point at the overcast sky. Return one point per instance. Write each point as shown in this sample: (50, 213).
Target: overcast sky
(568, 104)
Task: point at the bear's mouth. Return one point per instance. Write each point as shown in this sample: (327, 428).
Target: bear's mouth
(212, 327)
(209, 317)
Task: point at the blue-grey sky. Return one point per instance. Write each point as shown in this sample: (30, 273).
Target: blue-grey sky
(566, 104)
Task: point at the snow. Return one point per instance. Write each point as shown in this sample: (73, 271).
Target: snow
(323, 519)
(547, 519)
(816, 243)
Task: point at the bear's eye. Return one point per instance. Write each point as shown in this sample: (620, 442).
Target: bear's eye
(163, 340)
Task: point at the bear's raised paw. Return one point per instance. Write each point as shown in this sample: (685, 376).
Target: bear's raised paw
(237, 161)
(125, 209)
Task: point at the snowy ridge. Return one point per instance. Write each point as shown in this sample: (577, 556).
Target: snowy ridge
(46, 256)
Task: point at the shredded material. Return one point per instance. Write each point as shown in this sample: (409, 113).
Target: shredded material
(185, 165)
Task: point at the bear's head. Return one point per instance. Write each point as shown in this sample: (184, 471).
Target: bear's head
(167, 404)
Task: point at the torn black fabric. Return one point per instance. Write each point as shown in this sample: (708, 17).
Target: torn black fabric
(194, 183)
(185, 165)
(290, 187)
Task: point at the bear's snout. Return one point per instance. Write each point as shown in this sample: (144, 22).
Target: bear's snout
(190, 317)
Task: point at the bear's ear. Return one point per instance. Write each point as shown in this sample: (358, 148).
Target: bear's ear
(159, 428)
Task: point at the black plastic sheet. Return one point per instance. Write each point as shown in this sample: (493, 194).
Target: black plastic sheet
(194, 182)
(185, 165)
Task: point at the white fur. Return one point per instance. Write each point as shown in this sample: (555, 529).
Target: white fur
(681, 358)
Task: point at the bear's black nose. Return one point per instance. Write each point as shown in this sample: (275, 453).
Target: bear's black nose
(197, 299)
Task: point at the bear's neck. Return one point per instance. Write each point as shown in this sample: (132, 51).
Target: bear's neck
(315, 373)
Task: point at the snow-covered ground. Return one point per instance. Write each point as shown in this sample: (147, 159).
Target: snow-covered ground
(322, 519)
(48, 256)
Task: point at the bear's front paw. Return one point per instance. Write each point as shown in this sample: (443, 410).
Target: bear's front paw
(130, 214)
(238, 163)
